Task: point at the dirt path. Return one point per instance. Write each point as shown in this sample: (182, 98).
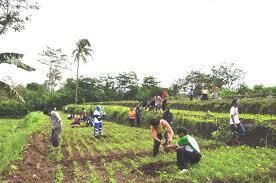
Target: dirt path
(36, 165)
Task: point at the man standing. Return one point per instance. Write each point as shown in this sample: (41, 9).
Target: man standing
(158, 129)
(56, 125)
(187, 150)
(138, 114)
(235, 123)
(168, 116)
(164, 99)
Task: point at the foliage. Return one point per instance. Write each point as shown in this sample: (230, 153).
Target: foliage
(227, 75)
(14, 14)
(12, 108)
(80, 53)
(201, 124)
(55, 60)
(14, 134)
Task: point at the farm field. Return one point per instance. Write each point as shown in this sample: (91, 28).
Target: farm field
(123, 154)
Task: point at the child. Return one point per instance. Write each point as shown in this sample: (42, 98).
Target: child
(98, 123)
(131, 116)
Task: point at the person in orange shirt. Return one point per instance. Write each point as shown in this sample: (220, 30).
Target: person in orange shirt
(158, 128)
(131, 116)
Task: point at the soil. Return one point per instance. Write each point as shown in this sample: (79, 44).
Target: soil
(152, 168)
(36, 165)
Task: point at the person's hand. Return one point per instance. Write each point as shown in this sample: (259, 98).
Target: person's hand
(235, 126)
(178, 148)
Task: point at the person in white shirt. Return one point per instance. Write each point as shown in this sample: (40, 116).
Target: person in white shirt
(98, 122)
(56, 125)
(235, 123)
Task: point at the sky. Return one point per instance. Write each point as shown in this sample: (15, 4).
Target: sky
(162, 38)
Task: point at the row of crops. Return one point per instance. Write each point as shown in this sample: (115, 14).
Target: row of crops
(260, 128)
(123, 154)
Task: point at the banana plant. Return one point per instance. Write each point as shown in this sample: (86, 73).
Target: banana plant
(14, 59)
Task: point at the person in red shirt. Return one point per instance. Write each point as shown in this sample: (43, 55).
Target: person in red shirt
(164, 99)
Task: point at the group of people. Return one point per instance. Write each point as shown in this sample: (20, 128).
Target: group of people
(187, 148)
(158, 102)
(204, 93)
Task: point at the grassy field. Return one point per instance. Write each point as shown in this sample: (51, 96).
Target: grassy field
(123, 154)
(14, 137)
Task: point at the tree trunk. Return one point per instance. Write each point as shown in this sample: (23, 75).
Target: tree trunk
(77, 82)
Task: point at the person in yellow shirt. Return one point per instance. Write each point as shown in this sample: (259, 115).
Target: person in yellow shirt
(131, 116)
(158, 129)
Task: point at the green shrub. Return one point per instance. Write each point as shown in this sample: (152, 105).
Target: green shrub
(11, 108)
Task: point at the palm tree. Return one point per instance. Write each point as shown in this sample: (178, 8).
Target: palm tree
(81, 52)
(13, 58)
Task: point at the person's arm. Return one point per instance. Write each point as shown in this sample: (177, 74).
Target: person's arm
(169, 130)
(154, 135)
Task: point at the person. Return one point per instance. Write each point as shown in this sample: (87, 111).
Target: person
(138, 114)
(168, 116)
(204, 92)
(158, 103)
(76, 122)
(164, 99)
(190, 93)
(83, 114)
(70, 116)
(158, 129)
(215, 94)
(66, 109)
(131, 116)
(187, 150)
(90, 119)
(152, 104)
(56, 125)
(235, 123)
(98, 123)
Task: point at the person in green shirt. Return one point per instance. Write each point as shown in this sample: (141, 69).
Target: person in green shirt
(187, 150)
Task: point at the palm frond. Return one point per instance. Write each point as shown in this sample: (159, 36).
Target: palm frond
(11, 91)
(15, 59)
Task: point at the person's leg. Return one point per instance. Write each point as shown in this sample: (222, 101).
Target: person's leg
(138, 120)
(100, 127)
(156, 145)
(54, 138)
(96, 129)
(195, 157)
(182, 158)
(240, 129)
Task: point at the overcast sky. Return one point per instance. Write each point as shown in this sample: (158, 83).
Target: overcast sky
(152, 37)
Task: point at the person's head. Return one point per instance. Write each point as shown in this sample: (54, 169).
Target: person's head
(83, 108)
(235, 102)
(47, 111)
(98, 108)
(155, 122)
(181, 132)
(167, 110)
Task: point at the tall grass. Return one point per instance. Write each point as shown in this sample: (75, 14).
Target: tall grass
(13, 142)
